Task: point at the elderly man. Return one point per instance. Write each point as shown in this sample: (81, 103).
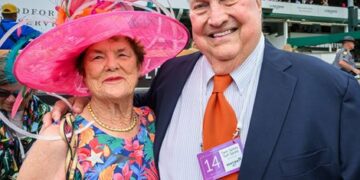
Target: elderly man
(343, 59)
(9, 14)
(270, 113)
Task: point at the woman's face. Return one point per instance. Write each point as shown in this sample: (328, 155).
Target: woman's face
(110, 68)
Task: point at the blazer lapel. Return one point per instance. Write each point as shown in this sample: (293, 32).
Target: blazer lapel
(273, 97)
(169, 89)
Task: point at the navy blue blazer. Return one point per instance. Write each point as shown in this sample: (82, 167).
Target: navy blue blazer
(305, 123)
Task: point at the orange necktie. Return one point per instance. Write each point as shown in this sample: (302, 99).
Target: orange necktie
(219, 119)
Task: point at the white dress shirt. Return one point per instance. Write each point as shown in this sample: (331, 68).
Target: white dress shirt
(183, 139)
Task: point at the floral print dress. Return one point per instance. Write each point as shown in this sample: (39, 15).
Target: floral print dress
(102, 156)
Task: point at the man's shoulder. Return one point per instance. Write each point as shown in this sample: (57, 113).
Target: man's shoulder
(8, 22)
(310, 63)
(310, 68)
(184, 58)
(182, 61)
(28, 30)
(178, 68)
(293, 59)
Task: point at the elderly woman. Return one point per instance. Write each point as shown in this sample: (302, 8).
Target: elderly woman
(104, 60)
(121, 136)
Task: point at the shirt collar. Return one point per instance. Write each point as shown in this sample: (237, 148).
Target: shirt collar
(242, 74)
(208, 72)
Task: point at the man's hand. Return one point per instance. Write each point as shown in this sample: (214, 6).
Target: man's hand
(356, 71)
(60, 108)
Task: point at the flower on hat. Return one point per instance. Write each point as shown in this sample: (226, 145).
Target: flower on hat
(73, 9)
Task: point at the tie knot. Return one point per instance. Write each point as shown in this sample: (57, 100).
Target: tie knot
(221, 82)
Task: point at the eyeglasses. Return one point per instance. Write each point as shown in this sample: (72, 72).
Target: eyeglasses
(7, 93)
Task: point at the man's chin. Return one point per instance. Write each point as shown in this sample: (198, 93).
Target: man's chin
(224, 56)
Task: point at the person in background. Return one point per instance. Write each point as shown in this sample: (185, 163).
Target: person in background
(344, 59)
(31, 109)
(13, 146)
(9, 14)
(6, 92)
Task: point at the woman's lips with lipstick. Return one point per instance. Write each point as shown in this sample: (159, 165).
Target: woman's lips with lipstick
(112, 79)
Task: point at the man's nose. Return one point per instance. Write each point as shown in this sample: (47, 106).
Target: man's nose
(218, 15)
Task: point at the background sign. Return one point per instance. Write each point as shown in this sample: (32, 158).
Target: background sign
(39, 14)
(306, 9)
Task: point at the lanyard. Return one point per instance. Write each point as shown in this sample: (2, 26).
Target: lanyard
(250, 89)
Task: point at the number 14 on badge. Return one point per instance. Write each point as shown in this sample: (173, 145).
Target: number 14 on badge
(221, 160)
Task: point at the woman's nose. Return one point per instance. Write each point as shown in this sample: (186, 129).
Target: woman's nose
(111, 64)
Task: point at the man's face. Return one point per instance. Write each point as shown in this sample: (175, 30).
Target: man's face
(349, 45)
(226, 30)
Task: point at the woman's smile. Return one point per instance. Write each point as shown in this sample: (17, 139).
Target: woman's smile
(113, 79)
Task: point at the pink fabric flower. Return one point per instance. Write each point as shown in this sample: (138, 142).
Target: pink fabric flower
(95, 146)
(126, 173)
(136, 149)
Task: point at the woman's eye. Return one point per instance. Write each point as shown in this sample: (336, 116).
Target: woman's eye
(97, 57)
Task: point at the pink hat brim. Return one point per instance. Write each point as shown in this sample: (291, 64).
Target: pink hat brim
(48, 62)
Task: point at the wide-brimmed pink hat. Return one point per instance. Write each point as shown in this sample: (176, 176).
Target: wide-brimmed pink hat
(48, 62)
